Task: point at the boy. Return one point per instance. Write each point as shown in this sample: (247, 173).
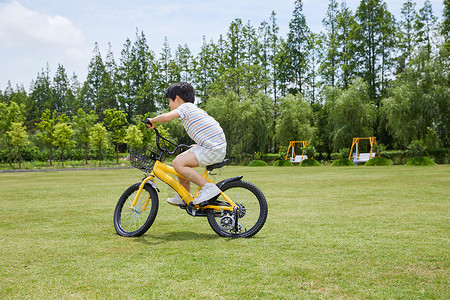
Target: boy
(210, 141)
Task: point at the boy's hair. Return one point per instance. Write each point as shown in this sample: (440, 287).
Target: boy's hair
(181, 89)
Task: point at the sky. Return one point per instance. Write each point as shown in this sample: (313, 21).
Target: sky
(36, 32)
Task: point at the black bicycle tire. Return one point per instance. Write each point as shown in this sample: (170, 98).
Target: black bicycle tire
(120, 205)
(262, 213)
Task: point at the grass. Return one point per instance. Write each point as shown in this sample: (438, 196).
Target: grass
(332, 232)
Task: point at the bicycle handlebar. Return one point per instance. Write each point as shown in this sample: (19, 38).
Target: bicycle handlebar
(158, 136)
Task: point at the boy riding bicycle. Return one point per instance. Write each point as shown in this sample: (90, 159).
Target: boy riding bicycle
(210, 147)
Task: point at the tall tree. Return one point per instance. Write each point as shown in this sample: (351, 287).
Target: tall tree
(40, 94)
(406, 34)
(47, 126)
(445, 26)
(10, 114)
(329, 66)
(94, 90)
(17, 137)
(298, 50)
(374, 38)
(63, 138)
(83, 123)
(345, 22)
(60, 87)
(352, 114)
(425, 26)
(116, 122)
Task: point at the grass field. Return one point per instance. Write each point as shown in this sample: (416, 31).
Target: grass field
(332, 232)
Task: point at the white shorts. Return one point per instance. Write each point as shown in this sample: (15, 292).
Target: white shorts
(208, 157)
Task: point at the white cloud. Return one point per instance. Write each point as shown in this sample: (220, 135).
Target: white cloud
(21, 27)
(30, 39)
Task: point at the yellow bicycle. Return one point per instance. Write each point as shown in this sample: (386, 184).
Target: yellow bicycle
(240, 210)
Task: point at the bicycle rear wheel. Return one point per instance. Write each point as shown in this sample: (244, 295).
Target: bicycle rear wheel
(250, 217)
(135, 222)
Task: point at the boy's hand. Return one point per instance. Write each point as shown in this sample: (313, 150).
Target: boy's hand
(149, 123)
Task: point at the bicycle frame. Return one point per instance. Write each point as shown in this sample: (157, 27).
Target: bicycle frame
(164, 172)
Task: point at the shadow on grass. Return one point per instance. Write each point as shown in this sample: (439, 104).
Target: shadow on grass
(153, 239)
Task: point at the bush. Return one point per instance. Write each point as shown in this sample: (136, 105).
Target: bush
(257, 163)
(342, 162)
(282, 163)
(310, 151)
(417, 148)
(420, 161)
(378, 161)
(397, 157)
(310, 162)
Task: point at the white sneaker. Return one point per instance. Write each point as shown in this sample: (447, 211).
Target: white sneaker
(208, 191)
(176, 200)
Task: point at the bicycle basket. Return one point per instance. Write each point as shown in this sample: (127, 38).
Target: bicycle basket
(144, 158)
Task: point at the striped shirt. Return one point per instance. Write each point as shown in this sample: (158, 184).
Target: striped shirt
(201, 127)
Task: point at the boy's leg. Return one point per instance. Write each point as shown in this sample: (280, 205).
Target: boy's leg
(184, 164)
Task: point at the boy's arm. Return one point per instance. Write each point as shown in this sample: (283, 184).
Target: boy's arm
(163, 118)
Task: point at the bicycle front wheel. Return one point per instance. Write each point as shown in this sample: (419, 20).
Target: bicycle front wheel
(135, 221)
(250, 216)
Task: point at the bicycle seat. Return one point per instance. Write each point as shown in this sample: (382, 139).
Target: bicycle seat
(218, 165)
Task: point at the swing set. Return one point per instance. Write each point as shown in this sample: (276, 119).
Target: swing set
(358, 157)
(294, 158)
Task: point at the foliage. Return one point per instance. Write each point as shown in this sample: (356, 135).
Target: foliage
(18, 137)
(295, 119)
(378, 161)
(342, 162)
(115, 121)
(283, 163)
(310, 162)
(83, 124)
(310, 151)
(352, 114)
(47, 127)
(133, 136)
(420, 161)
(367, 74)
(63, 138)
(99, 139)
(417, 148)
(257, 163)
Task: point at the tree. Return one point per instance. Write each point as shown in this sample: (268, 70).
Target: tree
(425, 26)
(40, 95)
(295, 120)
(353, 114)
(83, 124)
(419, 103)
(18, 137)
(47, 127)
(329, 66)
(116, 121)
(406, 34)
(298, 50)
(134, 136)
(63, 138)
(99, 139)
(346, 23)
(10, 114)
(135, 86)
(445, 26)
(59, 90)
(98, 91)
(373, 36)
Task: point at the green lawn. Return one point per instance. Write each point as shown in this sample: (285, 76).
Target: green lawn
(332, 232)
